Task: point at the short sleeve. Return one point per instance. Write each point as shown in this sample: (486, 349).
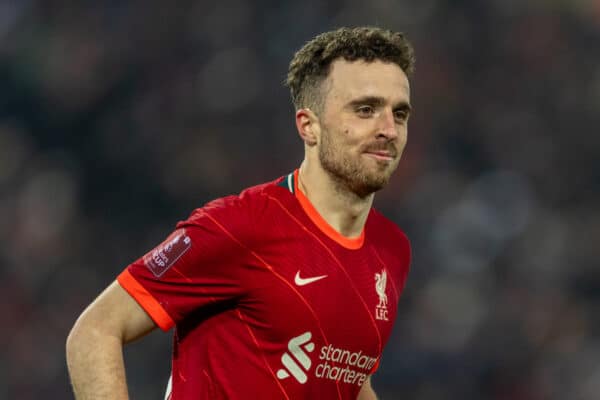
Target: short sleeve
(198, 265)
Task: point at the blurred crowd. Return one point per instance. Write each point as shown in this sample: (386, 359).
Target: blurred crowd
(118, 118)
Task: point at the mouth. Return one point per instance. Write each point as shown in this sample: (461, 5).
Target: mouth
(381, 155)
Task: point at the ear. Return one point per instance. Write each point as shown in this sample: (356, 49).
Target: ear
(307, 124)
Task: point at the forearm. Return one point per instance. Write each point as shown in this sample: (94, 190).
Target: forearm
(367, 392)
(96, 367)
(95, 344)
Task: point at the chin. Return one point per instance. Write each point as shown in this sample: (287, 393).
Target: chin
(366, 186)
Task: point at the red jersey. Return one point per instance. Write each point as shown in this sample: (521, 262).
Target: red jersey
(269, 301)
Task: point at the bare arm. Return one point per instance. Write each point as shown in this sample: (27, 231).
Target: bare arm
(367, 392)
(95, 344)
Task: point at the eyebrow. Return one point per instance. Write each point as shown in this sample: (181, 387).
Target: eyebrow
(379, 101)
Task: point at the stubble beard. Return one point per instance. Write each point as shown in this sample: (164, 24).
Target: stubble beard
(349, 173)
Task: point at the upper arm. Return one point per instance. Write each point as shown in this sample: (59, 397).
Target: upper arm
(202, 263)
(114, 313)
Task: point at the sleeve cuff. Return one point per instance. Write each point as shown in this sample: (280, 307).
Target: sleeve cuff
(146, 300)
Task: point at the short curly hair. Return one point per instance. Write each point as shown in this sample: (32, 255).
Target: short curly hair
(311, 64)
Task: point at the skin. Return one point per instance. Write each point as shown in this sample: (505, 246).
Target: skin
(355, 144)
(351, 149)
(95, 344)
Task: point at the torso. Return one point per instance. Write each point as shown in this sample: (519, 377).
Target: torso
(313, 317)
(268, 301)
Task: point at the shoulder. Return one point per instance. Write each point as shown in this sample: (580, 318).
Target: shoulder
(237, 210)
(391, 240)
(389, 230)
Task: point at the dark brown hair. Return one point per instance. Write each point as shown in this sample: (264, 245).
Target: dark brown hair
(310, 65)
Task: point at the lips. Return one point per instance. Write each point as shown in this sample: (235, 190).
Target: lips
(383, 154)
(380, 157)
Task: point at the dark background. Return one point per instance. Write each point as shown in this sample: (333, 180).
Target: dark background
(117, 118)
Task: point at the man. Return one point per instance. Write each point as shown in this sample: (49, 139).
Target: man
(289, 290)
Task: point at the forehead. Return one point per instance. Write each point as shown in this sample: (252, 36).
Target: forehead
(353, 79)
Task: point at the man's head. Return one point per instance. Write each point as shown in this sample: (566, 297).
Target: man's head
(352, 99)
(311, 64)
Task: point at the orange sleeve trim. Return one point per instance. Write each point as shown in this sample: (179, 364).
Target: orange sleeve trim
(349, 243)
(146, 300)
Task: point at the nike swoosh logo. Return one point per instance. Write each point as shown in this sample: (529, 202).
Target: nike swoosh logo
(305, 281)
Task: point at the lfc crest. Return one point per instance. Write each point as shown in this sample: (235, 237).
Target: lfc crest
(381, 311)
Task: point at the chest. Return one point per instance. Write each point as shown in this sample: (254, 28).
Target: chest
(345, 298)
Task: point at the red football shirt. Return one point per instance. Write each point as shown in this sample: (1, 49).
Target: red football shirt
(269, 301)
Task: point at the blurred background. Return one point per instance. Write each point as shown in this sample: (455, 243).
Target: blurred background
(118, 118)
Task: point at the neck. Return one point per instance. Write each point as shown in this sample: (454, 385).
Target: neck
(344, 210)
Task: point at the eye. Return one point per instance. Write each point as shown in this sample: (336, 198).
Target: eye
(365, 111)
(401, 115)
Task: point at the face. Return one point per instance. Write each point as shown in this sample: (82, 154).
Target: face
(363, 124)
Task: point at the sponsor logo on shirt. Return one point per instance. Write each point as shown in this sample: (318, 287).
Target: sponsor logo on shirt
(305, 281)
(168, 252)
(296, 361)
(333, 363)
(381, 311)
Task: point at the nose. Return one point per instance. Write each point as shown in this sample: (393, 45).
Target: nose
(387, 125)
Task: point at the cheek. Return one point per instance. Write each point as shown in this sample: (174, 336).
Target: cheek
(351, 135)
(351, 141)
(341, 137)
(402, 135)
